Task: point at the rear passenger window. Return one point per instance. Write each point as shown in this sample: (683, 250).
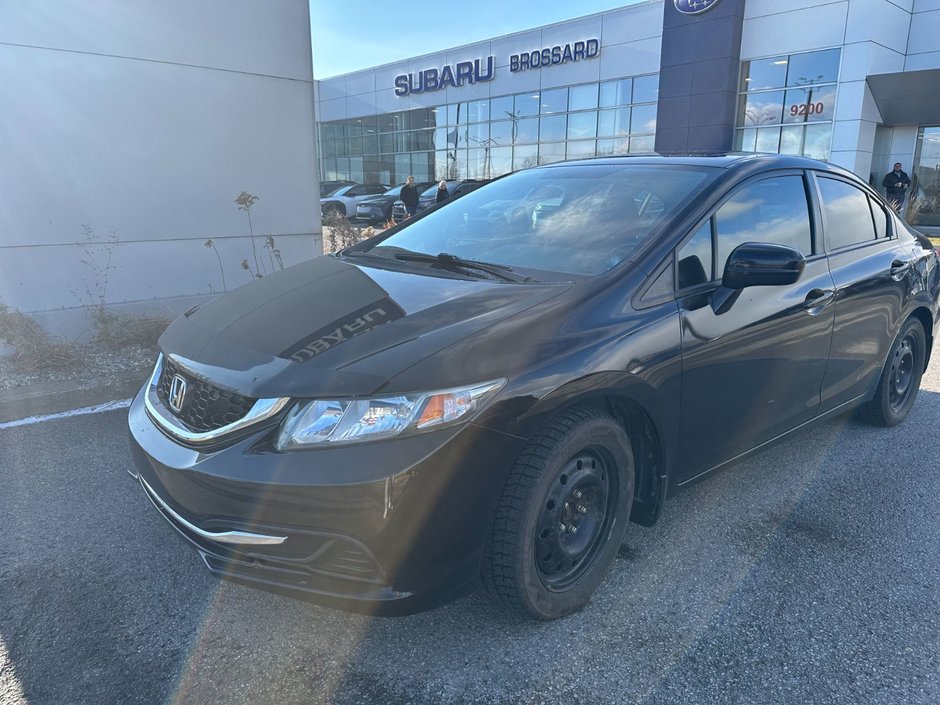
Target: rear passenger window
(848, 216)
(881, 218)
(695, 258)
(773, 210)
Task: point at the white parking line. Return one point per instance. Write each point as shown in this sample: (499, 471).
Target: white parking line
(97, 409)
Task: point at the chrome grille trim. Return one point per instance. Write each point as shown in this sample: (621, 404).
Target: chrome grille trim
(164, 418)
(243, 538)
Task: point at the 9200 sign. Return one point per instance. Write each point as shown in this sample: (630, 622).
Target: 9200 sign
(807, 109)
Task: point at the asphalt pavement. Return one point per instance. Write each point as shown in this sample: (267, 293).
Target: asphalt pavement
(808, 573)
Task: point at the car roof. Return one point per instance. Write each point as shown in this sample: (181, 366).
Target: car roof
(726, 160)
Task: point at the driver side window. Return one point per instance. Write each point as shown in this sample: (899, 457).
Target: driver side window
(773, 210)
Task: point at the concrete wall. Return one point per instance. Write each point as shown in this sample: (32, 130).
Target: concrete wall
(145, 120)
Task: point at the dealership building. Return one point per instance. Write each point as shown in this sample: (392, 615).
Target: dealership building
(855, 82)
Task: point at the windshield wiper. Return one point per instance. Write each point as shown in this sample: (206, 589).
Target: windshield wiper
(453, 261)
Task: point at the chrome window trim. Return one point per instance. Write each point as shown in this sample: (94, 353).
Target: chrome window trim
(237, 537)
(261, 410)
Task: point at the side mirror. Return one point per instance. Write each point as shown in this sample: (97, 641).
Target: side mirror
(756, 264)
(762, 264)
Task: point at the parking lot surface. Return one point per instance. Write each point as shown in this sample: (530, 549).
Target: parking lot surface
(808, 573)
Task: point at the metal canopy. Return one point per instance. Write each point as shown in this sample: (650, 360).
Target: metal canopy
(907, 97)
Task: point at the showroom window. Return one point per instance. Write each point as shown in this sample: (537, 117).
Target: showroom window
(786, 104)
(487, 137)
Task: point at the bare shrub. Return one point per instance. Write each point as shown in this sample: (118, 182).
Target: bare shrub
(33, 348)
(340, 233)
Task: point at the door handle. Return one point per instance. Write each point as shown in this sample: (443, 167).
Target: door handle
(817, 299)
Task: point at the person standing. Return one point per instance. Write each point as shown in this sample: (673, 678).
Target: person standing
(896, 183)
(442, 192)
(409, 196)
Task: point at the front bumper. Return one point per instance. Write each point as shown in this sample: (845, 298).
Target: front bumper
(369, 214)
(386, 527)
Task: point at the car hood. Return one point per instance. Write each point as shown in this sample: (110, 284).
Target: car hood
(332, 327)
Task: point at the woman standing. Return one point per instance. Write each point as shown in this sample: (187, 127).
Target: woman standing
(442, 193)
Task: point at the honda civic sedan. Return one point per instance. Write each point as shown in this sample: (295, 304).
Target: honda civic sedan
(490, 392)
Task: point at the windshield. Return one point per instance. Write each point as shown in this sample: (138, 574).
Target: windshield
(578, 219)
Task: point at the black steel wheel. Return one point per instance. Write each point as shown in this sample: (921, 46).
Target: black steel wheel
(900, 379)
(574, 518)
(562, 515)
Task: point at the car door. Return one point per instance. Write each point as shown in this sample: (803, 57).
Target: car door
(753, 371)
(873, 274)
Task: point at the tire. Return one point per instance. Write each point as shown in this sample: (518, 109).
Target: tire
(335, 209)
(577, 471)
(900, 378)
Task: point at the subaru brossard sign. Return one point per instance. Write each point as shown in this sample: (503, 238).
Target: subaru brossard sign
(694, 7)
(481, 70)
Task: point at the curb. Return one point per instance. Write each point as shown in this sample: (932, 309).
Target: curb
(63, 395)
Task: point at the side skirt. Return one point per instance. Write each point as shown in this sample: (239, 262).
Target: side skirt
(841, 409)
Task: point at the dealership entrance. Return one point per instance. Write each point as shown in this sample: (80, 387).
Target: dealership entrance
(924, 208)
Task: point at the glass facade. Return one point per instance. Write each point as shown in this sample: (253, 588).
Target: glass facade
(485, 138)
(786, 104)
(924, 205)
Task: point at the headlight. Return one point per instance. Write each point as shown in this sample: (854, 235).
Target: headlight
(318, 421)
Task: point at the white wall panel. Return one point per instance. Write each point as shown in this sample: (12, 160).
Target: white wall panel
(361, 82)
(154, 150)
(762, 8)
(479, 50)
(239, 35)
(632, 23)
(572, 74)
(331, 110)
(794, 31)
(925, 33)
(504, 47)
(631, 59)
(878, 20)
(360, 105)
(332, 88)
(570, 32)
(850, 135)
(921, 62)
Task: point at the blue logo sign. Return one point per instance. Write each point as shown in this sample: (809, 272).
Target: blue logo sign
(694, 7)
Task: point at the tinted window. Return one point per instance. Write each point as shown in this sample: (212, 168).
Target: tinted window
(881, 218)
(773, 210)
(662, 286)
(695, 258)
(848, 218)
(576, 220)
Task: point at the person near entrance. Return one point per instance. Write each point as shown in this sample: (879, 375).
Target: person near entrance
(409, 196)
(896, 183)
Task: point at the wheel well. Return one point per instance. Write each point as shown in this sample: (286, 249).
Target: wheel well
(648, 458)
(923, 315)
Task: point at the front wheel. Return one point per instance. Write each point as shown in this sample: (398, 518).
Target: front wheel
(900, 379)
(562, 515)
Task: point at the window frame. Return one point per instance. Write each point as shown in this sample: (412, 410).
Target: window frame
(815, 175)
(812, 206)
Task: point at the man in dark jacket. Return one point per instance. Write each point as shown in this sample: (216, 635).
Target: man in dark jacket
(409, 196)
(895, 183)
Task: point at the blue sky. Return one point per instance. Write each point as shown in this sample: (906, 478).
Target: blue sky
(349, 35)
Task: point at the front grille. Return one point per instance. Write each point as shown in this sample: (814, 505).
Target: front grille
(205, 407)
